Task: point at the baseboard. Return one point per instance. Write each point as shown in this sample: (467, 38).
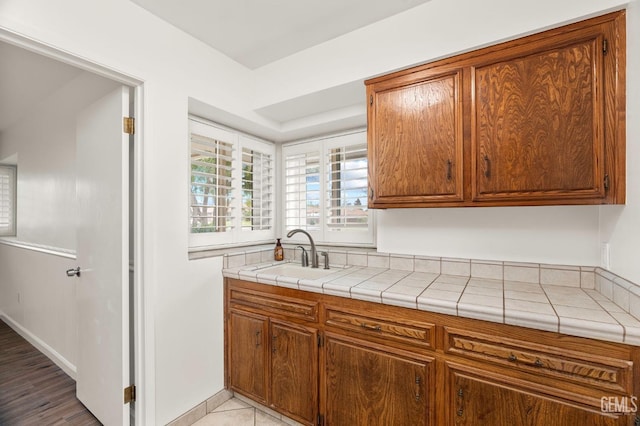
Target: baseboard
(52, 354)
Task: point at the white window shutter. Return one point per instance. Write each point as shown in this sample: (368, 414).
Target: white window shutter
(347, 188)
(8, 184)
(302, 182)
(211, 184)
(325, 189)
(231, 193)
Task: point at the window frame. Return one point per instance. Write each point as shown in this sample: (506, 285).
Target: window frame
(325, 235)
(11, 172)
(236, 235)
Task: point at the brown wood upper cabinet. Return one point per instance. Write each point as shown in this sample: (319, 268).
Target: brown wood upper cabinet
(535, 121)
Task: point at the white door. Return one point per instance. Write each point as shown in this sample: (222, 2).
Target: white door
(103, 253)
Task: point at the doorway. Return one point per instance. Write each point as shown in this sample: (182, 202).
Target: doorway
(35, 134)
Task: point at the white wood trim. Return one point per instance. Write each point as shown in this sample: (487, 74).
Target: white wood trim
(54, 251)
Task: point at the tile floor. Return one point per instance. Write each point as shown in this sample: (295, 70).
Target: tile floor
(238, 413)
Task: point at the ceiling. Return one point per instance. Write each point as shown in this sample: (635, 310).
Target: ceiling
(251, 32)
(258, 32)
(27, 78)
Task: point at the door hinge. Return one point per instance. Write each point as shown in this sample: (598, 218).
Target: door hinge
(606, 182)
(320, 341)
(371, 100)
(128, 125)
(605, 46)
(320, 420)
(130, 394)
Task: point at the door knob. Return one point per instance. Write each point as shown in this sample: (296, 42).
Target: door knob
(73, 272)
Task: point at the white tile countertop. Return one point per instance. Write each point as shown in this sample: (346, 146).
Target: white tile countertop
(546, 298)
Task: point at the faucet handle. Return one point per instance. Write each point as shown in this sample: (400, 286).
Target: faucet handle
(304, 257)
(326, 259)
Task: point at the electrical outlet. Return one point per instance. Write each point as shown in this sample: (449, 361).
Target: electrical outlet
(605, 256)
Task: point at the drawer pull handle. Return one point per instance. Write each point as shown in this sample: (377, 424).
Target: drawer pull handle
(513, 358)
(371, 327)
(538, 363)
(487, 167)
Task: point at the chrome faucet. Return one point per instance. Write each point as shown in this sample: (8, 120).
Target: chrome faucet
(314, 255)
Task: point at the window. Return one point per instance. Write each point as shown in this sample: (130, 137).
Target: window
(325, 189)
(8, 183)
(231, 187)
(211, 180)
(347, 188)
(257, 190)
(302, 190)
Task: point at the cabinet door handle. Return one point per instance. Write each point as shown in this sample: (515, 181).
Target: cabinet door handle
(448, 169)
(487, 166)
(513, 358)
(371, 327)
(418, 382)
(538, 363)
(258, 339)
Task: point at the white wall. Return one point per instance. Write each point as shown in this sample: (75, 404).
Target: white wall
(562, 234)
(45, 141)
(185, 297)
(37, 298)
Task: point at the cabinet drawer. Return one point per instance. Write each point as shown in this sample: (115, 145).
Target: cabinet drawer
(401, 330)
(289, 307)
(580, 367)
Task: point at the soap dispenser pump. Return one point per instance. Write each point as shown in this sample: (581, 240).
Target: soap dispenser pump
(278, 251)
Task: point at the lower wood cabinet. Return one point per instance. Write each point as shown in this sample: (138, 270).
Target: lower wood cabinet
(275, 363)
(294, 371)
(367, 384)
(325, 360)
(480, 398)
(247, 337)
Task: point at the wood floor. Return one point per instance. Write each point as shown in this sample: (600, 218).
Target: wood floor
(33, 390)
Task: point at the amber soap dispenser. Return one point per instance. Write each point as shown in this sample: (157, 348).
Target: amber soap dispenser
(278, 251)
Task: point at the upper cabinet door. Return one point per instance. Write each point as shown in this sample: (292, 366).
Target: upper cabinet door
(539, 120)
(415, 139)
(539, 125)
